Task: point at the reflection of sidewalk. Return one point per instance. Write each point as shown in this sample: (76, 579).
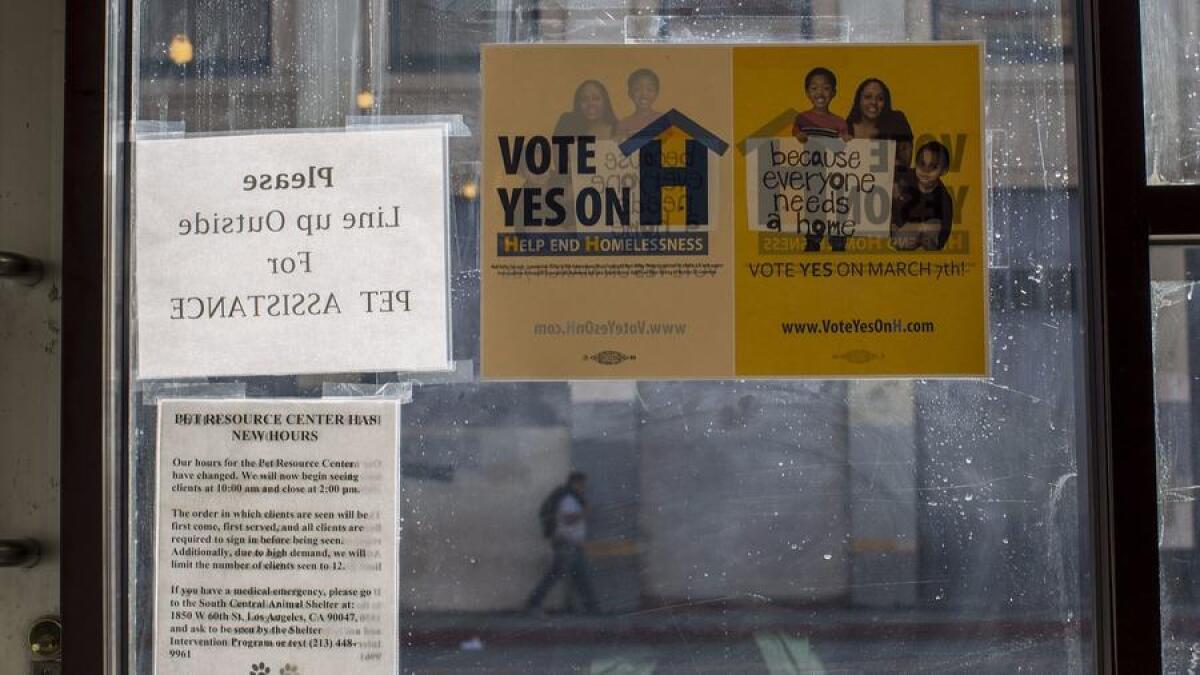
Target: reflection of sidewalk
(769, 641)
(672, 625)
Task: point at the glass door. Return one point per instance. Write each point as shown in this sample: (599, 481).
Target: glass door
(737, 525)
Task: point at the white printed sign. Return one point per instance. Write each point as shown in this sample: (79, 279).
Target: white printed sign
(279, 254)
(276, 539)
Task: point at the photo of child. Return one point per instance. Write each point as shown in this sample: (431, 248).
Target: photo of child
(820, 86)
(643, 88)
(923, 210)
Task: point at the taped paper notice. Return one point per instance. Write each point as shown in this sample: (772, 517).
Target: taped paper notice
(276, 537)
(281, 254)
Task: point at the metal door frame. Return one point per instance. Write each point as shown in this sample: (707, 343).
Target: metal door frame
(96, 100)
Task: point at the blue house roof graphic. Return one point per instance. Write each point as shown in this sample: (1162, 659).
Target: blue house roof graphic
(674, 118)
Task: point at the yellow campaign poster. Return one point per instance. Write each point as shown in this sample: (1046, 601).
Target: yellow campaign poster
(668, 211)
(607, 245)
(860, 229)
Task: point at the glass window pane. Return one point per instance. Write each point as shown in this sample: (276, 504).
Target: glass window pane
(754, 526)
(1175, 272)
(1171, 76)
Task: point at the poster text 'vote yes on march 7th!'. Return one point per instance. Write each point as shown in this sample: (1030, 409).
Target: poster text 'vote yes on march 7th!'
(681, 212)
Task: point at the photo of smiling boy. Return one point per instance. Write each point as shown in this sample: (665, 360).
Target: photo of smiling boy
(643, 88)
(820, 86)
(925, 207)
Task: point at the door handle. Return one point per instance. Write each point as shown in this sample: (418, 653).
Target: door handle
(19, 552)
(20, 268)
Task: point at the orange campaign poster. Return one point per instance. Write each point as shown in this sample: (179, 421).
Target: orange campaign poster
(672, 211)
(607, 249)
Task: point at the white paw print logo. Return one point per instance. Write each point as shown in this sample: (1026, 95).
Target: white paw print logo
(290, 669)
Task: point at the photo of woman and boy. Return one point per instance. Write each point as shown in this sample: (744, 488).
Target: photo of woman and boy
(593, 115)
(922, 208)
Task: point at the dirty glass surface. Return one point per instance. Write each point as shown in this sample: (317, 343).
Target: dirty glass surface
(736, 527)
(1171, 78)
(1175, 272)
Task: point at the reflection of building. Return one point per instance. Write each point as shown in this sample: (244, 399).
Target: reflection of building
(915, 493)
(1171, 77)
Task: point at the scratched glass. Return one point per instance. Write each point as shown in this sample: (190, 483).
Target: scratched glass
(1171, 79)
(1175, 312)
(762, 526)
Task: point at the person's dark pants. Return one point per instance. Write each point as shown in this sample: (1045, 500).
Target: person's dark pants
(569, 560)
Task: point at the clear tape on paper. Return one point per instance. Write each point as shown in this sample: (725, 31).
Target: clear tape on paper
(464, 372)
(656, 28)
(148, 129)
(401, 392)
(454, 124)
(152, 391)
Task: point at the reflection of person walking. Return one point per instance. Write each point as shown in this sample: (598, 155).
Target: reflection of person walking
(563, 515)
